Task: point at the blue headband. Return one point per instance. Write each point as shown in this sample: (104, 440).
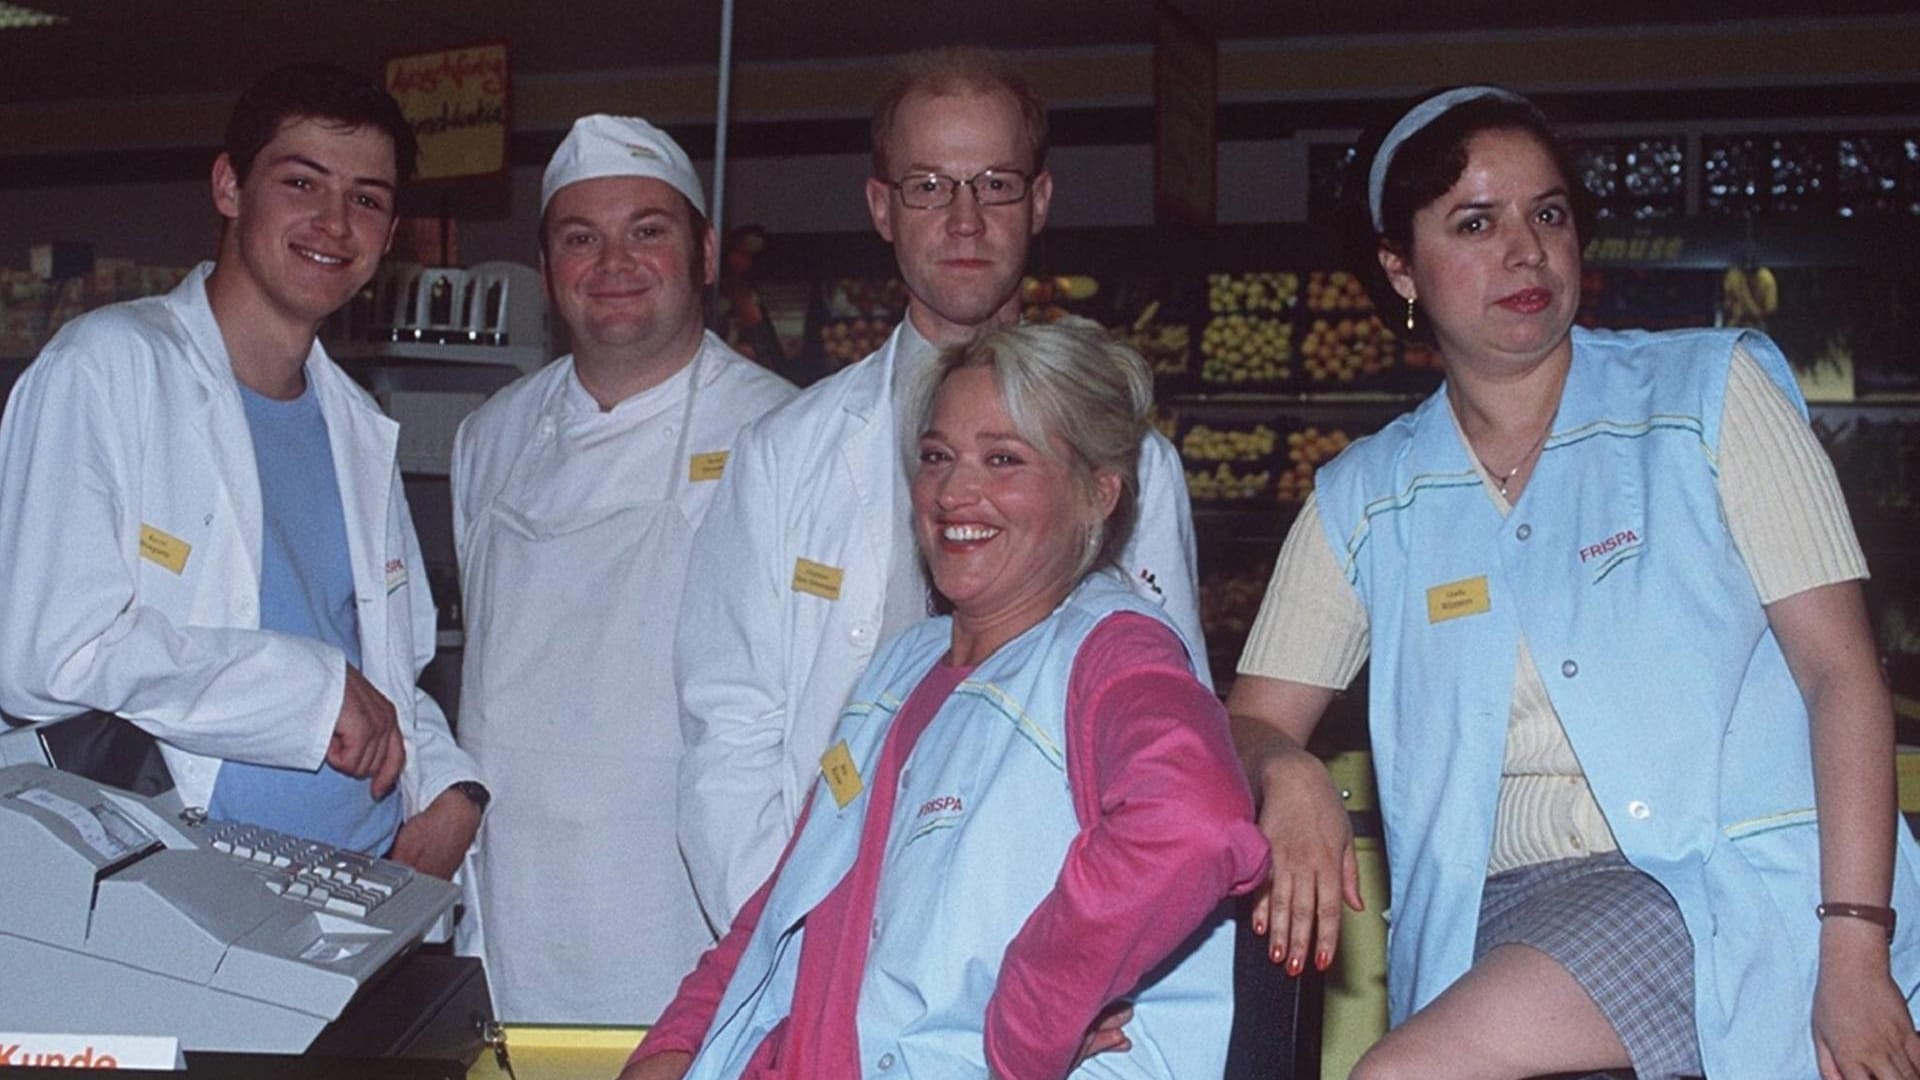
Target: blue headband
(1410, 125)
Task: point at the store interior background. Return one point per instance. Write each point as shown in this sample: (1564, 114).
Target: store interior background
(109, 122)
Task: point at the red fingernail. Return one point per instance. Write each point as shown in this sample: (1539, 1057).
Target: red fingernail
(1295, 965)
(1278, 956)
(1259, 928)
(1321, 961)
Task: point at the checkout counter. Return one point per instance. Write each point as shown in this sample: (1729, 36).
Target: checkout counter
(128, 915)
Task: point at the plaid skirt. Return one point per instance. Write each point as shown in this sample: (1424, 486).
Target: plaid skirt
(1620, 935)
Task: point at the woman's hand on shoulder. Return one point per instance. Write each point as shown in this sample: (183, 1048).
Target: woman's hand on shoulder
(1861, 1026)
(1314, 867)
(1301, 815)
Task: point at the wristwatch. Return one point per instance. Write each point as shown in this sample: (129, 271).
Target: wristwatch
(475, 791)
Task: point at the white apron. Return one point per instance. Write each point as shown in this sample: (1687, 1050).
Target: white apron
(588, 913)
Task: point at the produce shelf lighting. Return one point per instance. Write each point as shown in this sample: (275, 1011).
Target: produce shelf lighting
(15, 17)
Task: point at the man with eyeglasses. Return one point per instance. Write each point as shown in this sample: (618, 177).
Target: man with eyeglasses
(806, 560)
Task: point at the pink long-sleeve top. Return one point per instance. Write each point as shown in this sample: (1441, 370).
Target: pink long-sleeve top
(1166, 832)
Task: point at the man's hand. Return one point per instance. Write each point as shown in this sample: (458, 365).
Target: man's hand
(366, 738)
(434, 840)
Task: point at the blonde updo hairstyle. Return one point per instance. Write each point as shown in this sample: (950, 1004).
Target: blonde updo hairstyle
(1067, 380)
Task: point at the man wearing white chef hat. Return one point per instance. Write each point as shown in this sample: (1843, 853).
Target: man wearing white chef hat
(806, 559)
(576, 492)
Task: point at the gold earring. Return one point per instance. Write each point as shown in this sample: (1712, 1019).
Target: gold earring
(1409, 314)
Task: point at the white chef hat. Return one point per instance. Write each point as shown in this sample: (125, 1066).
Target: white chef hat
(601, 145)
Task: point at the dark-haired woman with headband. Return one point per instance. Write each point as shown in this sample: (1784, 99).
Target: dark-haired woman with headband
(1633, 747)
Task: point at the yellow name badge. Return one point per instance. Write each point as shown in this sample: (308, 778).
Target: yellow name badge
(164, 549)
(1458, 599)
(817, 578)
(843, 777)
(706, 466)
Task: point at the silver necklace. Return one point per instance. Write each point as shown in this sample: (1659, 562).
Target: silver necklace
(1501, 481)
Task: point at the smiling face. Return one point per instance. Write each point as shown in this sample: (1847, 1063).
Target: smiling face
(962, 262)
(309, 224)
(625, 265)
(1003, 525)
(1495, 262)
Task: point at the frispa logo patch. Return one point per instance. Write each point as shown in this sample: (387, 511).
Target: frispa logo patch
(937, 814)
(1603, 557)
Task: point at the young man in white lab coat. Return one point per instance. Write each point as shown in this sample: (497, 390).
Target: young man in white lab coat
(806, 563)
(202, 527)
(576, 492)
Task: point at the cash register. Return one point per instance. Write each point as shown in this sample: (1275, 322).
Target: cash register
(125, 914)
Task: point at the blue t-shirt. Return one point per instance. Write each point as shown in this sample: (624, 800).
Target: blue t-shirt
(306, 588)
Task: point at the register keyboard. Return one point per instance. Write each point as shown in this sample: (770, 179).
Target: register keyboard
(309, 871)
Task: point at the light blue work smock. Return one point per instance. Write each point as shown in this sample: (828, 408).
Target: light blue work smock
(961, 879)
(1617, 567)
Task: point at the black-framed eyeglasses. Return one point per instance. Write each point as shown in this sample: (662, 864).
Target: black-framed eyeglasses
(991, 187)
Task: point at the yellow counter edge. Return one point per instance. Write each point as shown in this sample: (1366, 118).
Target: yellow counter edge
(561, 1052)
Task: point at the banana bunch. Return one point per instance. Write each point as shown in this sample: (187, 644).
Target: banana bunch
(1747, 297)
(1202, 443)
(1162, 345)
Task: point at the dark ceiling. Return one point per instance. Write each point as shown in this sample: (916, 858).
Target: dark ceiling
(127, 48)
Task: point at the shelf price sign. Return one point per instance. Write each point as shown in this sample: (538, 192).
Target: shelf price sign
(456, 100)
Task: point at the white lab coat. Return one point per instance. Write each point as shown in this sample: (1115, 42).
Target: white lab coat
(765, 666)
(573, 527)
(125, 448)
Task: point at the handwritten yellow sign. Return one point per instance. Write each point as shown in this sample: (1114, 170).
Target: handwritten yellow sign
(456, 100)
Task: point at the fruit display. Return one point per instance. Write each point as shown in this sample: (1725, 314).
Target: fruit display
(1263, 292)
(1344, 350)
(884, 298)
(847, 340)
(1230, 601)
(1307, 450)
(1204, 444)
(1044, 299)
(1336, 290)
(1223, 484)
(1246, 349)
